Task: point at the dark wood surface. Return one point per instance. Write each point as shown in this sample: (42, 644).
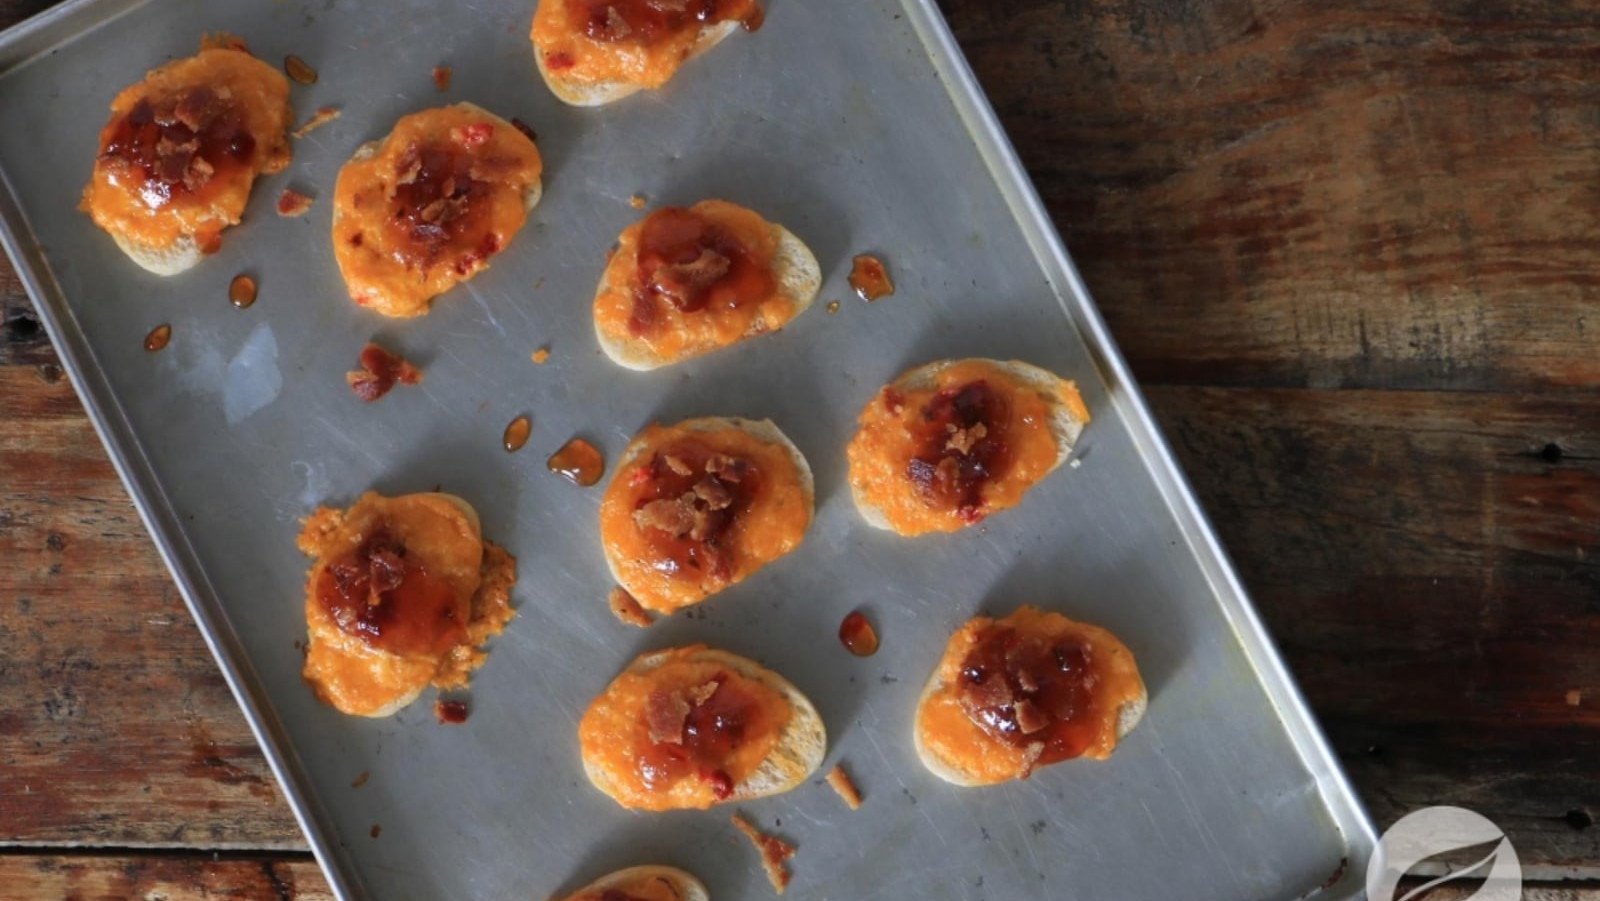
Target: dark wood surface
(1351, 250)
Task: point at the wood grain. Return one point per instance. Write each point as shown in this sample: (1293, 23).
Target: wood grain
(115, 726)
(1310, 194)
(113, 878)
(1430, 567)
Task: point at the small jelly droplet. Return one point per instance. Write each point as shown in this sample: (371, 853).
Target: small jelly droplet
(870, 278)
(242, 291)
(579, 462)
(517, 434)
(299, 70)
(858, 636)
(158, 338)
(451, 713)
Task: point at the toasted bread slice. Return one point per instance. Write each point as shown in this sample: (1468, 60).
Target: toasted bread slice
(649, 882)
(1118, 680)
(1065, 420)
(355, 676)
(797, 753)
(578, 92)
(796, 277)
(647, 582)
(585, 67)
(167, 224)
(383, 278)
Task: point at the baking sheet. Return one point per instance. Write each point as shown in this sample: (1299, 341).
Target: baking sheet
(856, 124)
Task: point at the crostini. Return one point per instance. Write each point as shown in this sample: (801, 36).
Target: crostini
(646, 883)
(182, 150)
(701, 505)
(685, 282)
(1032, 689)
(693, 727)
(592, 52)
(403, 593)
(426, 207)
(949, 443)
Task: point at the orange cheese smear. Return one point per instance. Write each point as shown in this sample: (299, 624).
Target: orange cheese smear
(396, 258)
(769, 518)
(614, 735)
(673, 334)
(891, 434)
(347, 670)
(561, 40)
(639, 888)
(125, 200)
(948, 733)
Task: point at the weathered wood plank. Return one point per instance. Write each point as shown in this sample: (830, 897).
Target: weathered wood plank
(1537, 892)
(115, 726)
(1301, 193)
(1430, 566)
(96, 878)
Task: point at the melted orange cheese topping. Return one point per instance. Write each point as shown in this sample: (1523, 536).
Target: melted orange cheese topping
(346, 671)
(890, 437)
(614, 735)
(673, 334)
(115, 197)
(377, 241)
(949, 734)
(568, 53)
(769, 522)
(639, 888)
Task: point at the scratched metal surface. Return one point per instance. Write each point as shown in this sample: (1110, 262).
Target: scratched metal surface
(855, 123)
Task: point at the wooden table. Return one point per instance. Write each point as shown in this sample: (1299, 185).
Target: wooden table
(1352, 251)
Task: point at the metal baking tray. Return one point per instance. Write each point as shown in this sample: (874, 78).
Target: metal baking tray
(857, 124)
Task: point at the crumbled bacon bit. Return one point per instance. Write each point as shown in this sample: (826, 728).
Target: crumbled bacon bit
(474, 135)
(676, 464)
(774, 852)
(293, 203)
(962, 440)
(1030, 718)
(626, 608)
(675, 515)
(441, 78)
(702, 693)
(198, 173)
(839, 781)
(1030, 758)
(665, 714)
(683, 283)
(318, 119)
(541, 356)
(380, 372)
(450, 713)
(714, 493)
(726, 468)
(299, 69)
